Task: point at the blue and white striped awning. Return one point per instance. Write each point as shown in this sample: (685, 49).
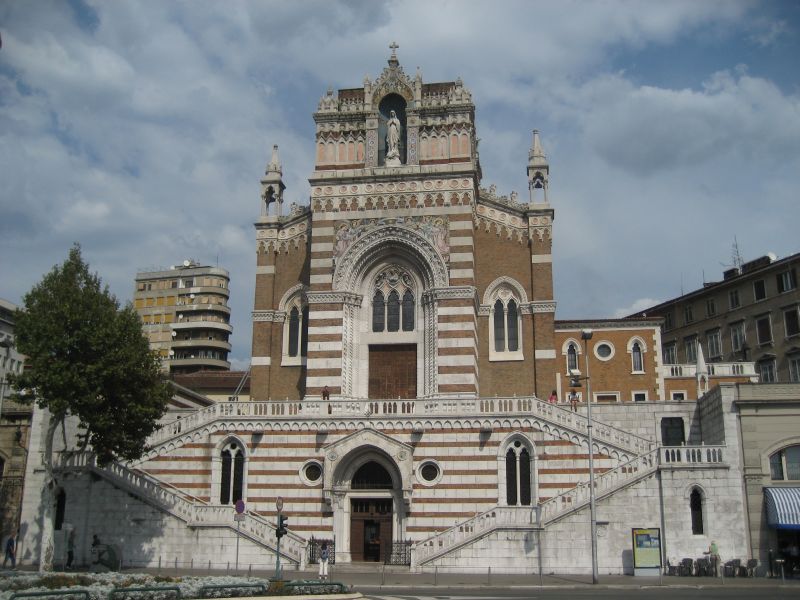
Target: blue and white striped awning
(783, 507)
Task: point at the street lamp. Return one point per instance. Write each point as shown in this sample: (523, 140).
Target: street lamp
(575, 380)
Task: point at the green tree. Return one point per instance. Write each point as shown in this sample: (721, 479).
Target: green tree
(86, 357)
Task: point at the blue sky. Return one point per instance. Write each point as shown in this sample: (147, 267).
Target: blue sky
(141, 129)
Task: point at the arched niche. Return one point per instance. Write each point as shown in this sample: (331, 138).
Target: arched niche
(391, 102)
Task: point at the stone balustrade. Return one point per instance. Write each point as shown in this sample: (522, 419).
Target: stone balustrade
(190, 509)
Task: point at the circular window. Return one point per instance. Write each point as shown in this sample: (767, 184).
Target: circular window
(429, 473)
(311, 472)
(604, 350)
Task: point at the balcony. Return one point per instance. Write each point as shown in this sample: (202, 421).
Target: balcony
(177, 364)
(201, 343)
(734, 369)
(183, 325)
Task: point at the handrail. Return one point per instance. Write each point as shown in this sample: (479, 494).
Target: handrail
(189, 509)
(527, 406)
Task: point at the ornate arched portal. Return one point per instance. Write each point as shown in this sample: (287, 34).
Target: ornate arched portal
(367, 482)
(388, 267)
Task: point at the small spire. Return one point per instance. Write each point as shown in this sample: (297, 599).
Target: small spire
(537, 152)
(702, 368)
(274, 165)
(393, 62)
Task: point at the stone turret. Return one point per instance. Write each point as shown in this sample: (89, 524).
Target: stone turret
(538, 171)
(272, 185)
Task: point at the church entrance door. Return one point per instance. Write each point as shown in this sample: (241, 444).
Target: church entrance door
(392, 371)
(370, 528)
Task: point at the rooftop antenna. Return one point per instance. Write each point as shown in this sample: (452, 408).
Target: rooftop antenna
(736, 257)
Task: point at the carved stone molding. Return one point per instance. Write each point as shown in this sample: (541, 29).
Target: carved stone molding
(347, 298)
(367, 249)
(467, 292)
(543, 306)
(274, 316)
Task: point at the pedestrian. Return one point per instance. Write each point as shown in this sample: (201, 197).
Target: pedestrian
(573, 400)
(11, 550)
(713, 556)
(553, 399)
(324, 555)
(70, 548)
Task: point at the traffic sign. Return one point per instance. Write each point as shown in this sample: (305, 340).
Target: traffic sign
(239, 507)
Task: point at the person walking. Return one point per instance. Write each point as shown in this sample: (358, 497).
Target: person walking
(11, 550)
(553, 399)
(713, 556)
(324, 555)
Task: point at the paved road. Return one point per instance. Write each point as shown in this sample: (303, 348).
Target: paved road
(718, 593)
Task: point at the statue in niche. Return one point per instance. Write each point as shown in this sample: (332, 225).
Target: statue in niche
(393, 133)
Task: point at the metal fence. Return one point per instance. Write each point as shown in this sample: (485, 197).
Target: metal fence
(315, 546)
(399, 553)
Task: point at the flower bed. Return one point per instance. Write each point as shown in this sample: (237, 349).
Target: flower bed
(99, 586)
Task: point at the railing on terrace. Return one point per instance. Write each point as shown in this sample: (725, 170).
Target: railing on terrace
(691, 455)
(571, 500)
(431, 407)
(190, 509)
(734, 369)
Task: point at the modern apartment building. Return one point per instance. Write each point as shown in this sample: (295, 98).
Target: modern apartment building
(185, 315)
(752, 315)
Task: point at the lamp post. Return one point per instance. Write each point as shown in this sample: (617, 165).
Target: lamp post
(586, 335)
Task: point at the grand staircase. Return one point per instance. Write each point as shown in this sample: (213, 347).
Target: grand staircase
(551, 419)
(189, 509)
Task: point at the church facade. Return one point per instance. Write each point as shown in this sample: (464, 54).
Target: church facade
(410, 390)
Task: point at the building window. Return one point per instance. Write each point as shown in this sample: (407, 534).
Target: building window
(678, 396)
(766, 371)
(639, 396)
(505, 324)
(311, 473)
(295, 331)
(606, 397)
(737, 336)
(763, 330)
(670, 354)
(572, 358)
(784, 465)
(733, 299)
(711, 307)
(429, 473)
(393, 303)
(668, 321)
(688, 314)
(759, 290)
(787, 281)
(637, 363)
(714, 344)
(794, 369)
(672, 431)
(791, 322)
(604, 351)
(232, 480)
(518, 475)
(696, 507)
(690, 348)
(61, 509)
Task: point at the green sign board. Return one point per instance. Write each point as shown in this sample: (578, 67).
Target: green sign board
(646, 548)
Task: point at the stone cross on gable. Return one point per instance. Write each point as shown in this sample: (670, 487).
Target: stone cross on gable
(394, 48)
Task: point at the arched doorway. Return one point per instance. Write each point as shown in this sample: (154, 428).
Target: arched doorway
(370, 517)
(368, 485)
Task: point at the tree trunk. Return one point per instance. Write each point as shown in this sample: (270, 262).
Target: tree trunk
(48, 499)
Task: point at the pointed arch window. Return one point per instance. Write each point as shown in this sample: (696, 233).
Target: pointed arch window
(518, 475)
(393, 303)
(295, 332)
(231, 487)
(637, 364)
(696, 508)
(506, 325)
(572, 358)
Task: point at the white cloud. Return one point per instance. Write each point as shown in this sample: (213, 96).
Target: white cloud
(142, 131)
(637, 306)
